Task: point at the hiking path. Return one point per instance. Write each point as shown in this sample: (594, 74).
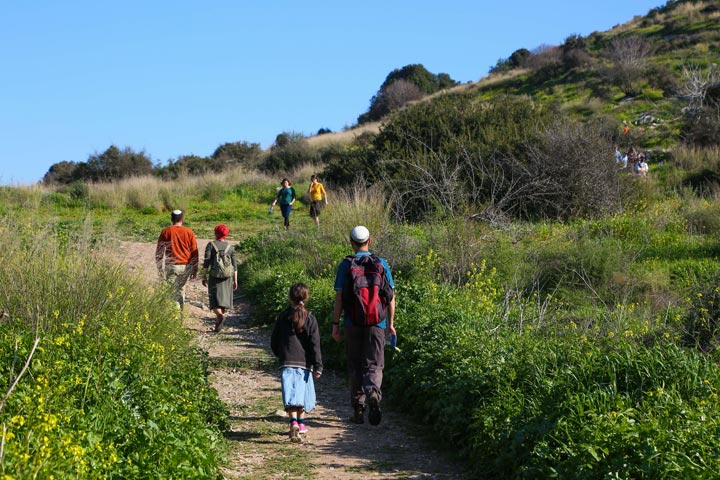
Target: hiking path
(246, 377)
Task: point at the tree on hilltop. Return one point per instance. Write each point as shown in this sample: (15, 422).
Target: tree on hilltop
(60, 173)
(112, 164)
(404, 85)
(238, 153)
(115, 164)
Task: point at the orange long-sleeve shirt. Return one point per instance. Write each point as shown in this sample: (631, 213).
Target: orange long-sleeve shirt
(178, 245)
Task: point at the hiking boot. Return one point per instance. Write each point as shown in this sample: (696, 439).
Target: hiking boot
(375, 415)
(358, 416)
(294, 432)
(303, 429)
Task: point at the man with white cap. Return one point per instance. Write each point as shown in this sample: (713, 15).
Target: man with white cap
(366, 316)
(176, 255)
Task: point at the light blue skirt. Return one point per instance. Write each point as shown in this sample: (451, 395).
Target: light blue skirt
(298, 388)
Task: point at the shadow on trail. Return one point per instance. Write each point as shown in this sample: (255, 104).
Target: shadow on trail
(397, 448)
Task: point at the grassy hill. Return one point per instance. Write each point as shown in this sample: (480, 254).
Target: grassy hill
(631, 73)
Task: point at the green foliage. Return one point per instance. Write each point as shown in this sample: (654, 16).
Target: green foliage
(652, 94)
(115, 389)
(703, 319)
(290, 151)
(415, 75)
(344, 165)
(420, 76)
(189, 165)
(60, 173)
(516, 60)
(112, 164)
(242, 153)
(588, 377)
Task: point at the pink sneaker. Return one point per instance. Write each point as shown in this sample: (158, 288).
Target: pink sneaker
(294, 432)
(303, 429)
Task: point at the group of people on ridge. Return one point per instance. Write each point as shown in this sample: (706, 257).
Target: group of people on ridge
(637, 161)
(364, 308)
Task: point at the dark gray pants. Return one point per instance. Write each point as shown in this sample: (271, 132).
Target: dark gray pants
(365, 350)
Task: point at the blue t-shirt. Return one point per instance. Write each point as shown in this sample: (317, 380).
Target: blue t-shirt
(340, 282)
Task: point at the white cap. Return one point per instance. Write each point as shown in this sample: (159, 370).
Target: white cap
(360, 234)
(177, 212)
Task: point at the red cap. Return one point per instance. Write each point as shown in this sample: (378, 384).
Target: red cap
(221, 231)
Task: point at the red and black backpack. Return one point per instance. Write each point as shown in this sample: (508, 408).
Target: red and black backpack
(366, 291)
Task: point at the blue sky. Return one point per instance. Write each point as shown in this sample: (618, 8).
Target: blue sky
(180, 77)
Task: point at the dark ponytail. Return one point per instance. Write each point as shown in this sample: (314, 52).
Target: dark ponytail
(298, 296)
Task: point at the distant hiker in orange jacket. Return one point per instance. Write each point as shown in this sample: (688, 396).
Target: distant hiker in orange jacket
(176, 255)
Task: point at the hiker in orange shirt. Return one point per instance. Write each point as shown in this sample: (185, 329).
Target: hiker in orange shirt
(176, 255)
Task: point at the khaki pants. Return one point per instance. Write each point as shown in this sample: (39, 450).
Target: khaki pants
(365, 349)
(177, 276)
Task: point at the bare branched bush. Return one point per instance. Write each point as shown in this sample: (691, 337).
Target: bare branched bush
(432, 181)
(695, 86)
(572, 173)
(631, 51)
(564, 170)
(401, 92)
(543, 57)
(630, 59)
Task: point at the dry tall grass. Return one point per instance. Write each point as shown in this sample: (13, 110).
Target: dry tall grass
(159, 194)
(344, 137)
(358, 205)
(303, 173)
(27, 197)
(697, 158)
(691, 10)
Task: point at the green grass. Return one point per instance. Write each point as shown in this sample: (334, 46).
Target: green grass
(566, 348)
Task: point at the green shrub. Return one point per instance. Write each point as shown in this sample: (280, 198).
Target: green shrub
(704, 219)
(652, 94)
(587, 378)
(290, 151)
(115, 389)
(586, 263)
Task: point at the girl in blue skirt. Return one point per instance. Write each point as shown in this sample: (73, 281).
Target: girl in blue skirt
(295, 341)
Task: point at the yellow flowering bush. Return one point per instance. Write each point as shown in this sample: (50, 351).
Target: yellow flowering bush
(107, 388)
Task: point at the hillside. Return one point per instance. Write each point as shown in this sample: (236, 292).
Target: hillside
(633, 73)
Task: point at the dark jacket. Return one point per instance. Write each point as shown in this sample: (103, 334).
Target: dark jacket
(301, 350)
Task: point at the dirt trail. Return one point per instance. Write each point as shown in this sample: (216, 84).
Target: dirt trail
(245, 376)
